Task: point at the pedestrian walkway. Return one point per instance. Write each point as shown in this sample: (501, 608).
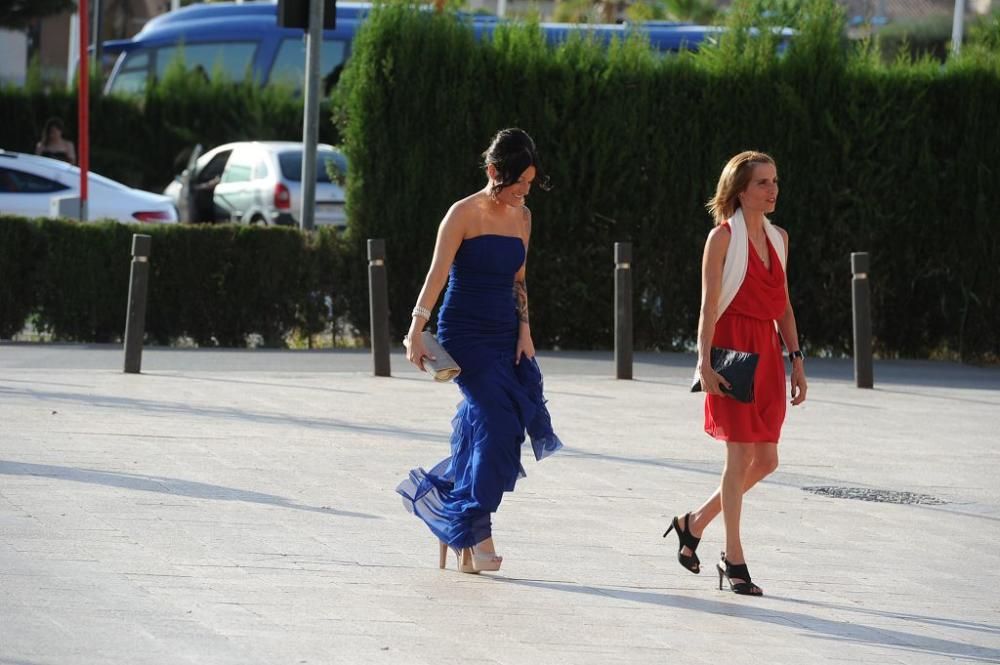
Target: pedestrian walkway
(238, 507)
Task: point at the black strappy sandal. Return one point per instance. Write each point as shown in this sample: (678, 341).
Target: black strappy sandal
(685, 539)
(740, 572)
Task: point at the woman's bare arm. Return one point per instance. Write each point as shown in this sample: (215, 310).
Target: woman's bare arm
(712, 261)
(451, 232)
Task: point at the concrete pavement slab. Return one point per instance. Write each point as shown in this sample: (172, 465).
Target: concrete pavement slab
(238, 507)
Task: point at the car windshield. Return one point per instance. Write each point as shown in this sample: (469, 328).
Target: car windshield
(291, 164)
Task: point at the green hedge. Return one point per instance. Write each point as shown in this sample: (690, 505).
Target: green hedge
(21, 254)
(214, 285)
(898, 160)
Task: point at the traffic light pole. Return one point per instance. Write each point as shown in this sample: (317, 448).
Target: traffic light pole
(310, 120)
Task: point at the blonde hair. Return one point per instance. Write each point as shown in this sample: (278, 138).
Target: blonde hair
(734, 179)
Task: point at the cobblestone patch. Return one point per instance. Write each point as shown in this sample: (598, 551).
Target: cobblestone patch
(876, 495)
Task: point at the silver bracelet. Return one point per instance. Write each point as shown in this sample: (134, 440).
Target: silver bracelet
(422, 312)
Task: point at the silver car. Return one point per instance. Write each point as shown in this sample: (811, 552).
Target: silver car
(258, 182)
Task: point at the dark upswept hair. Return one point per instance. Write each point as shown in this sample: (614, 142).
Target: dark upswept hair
(49, 124)
(511, 152)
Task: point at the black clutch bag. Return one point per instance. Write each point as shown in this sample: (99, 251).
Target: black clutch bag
(738, 368)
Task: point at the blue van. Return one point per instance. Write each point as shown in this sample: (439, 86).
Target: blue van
(244, 41)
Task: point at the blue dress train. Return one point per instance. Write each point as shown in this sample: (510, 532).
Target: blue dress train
(478, 325)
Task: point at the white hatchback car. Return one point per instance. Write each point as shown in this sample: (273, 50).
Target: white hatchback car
(28, 183)
(258, 182)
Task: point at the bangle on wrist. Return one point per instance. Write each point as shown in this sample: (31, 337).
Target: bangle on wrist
(421, 312)
(795, 355)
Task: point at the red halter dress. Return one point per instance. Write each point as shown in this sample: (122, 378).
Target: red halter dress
(748, 324)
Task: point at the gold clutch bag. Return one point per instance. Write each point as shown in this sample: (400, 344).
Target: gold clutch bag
(443, 368)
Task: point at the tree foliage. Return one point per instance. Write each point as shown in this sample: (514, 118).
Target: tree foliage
(18, 14)
(873, 157)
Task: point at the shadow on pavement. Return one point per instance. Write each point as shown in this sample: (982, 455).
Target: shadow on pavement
(821, 628)
(172, 486)
(268, 384)
(206, 411)
(779, 478)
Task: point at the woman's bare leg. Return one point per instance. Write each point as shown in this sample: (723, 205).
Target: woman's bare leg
(486, 546)
(764, 462)
(739, 458)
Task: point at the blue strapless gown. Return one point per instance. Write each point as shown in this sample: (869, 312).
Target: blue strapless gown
(478, 325)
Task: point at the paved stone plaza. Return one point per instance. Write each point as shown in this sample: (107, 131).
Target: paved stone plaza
(238, 507)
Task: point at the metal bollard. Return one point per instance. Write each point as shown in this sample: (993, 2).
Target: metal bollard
(135, 318)
(861, 302)
(623, 310)
(378, 305)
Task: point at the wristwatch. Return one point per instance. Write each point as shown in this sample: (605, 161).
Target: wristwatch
(792, 355)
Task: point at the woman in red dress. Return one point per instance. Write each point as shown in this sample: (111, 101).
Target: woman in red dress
(744, 306)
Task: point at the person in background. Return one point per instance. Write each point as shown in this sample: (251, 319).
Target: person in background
(53, 144)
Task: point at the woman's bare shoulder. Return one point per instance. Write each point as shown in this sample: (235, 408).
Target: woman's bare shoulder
(718, 237)
(462, 213)
(470, 206)
(783, 232)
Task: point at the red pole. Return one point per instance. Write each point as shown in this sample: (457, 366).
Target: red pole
(83, 106)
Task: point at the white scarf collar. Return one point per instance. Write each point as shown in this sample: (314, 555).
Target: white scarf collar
(734, 270)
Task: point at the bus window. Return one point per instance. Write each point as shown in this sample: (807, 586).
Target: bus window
(234, 59)
(133, 74)
(289, 64)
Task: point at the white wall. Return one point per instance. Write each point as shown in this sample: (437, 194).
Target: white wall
(983, 6)
(13, 56)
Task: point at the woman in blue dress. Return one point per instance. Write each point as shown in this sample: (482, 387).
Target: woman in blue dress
(481, 248)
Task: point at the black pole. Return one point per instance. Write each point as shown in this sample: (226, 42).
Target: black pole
(861, 301)
(378, 305)
(623, 310)
(310, 115)
(135, 318)
(98, 47)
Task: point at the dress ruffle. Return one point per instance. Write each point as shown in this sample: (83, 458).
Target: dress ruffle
(501, 405)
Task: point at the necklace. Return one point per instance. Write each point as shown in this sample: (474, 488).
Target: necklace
(760, 247)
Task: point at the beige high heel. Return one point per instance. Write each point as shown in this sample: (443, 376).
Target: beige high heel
(443, 555)
(475, 562)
